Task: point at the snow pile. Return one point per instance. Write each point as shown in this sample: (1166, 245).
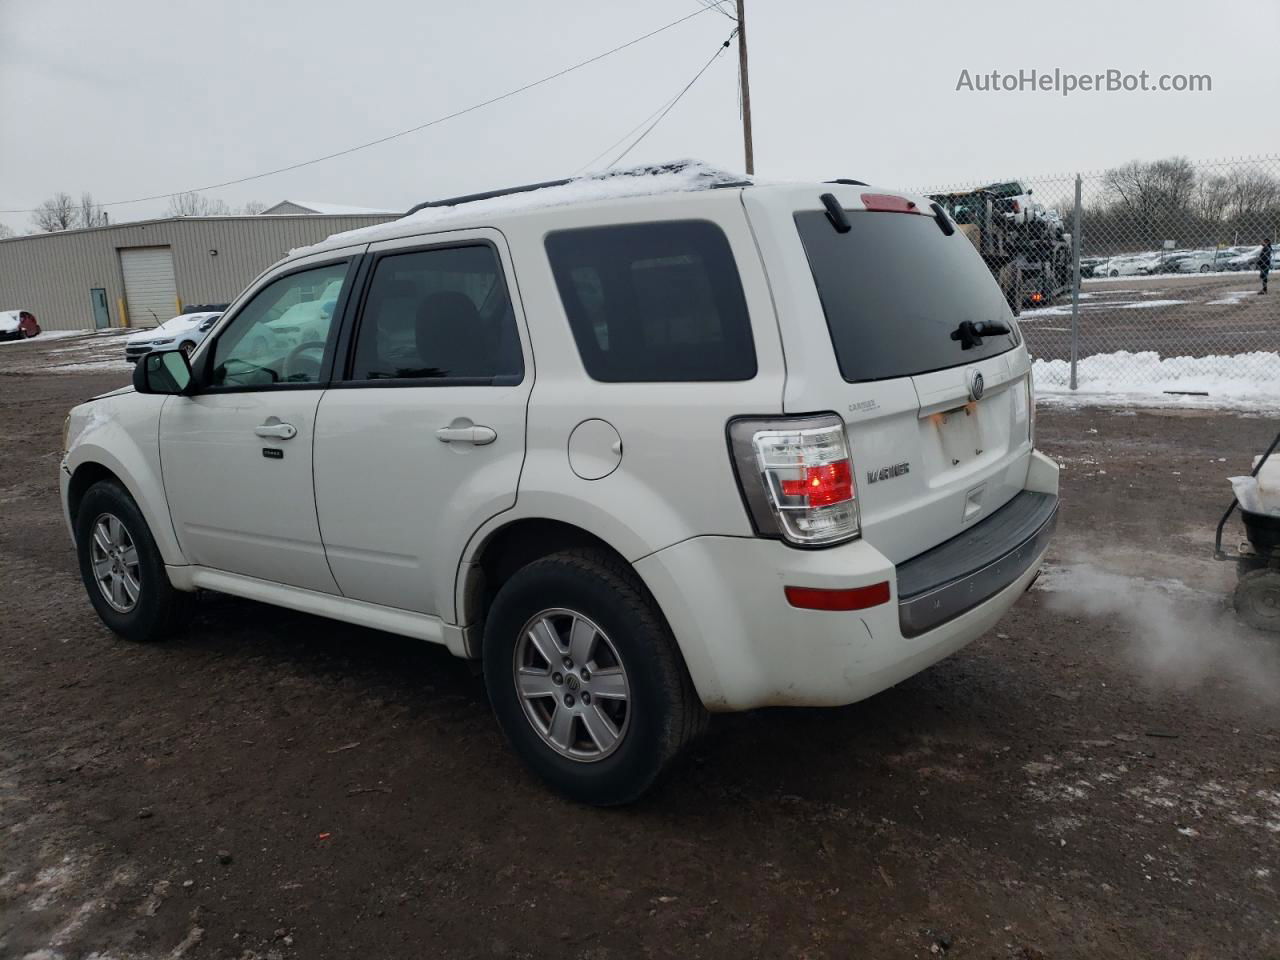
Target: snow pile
(1232, 298)
(646, 181)
(1242, 380)
(49, 335)
(1147, 304)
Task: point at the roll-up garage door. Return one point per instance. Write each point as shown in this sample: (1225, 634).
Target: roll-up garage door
(149, 288)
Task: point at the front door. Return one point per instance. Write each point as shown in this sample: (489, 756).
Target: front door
(101, 315)
(236, 456)
(423, 440)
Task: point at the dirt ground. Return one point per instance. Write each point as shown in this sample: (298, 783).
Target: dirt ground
(1098, 777)
(1194, 315)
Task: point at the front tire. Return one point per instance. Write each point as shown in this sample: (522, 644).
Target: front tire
(122, 569)
(585, 677)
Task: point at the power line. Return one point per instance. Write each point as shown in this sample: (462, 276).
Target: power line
(706, 66)
(622, 139)
(404, 133)
(715, 5)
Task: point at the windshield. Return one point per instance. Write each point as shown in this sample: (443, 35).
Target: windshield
(894, 288)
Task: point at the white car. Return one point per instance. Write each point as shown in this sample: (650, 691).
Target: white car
(1124, 267)
(183, 332)
(642, 448)
(1203, 261)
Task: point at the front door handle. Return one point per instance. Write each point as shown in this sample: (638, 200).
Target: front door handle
(474, 434)
(273, 429)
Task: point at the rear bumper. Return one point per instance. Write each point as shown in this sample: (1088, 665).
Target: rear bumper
(746, 646)
(956, 576)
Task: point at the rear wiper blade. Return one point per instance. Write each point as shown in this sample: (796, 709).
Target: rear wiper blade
(970, 334)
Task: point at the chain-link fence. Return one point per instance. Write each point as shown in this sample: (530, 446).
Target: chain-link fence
(1143, 278)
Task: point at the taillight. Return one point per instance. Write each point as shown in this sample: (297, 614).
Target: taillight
(797, 478)
(1017, 207)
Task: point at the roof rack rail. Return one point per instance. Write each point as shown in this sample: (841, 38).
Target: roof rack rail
(488, 195)
(847, 182)
(641, 171)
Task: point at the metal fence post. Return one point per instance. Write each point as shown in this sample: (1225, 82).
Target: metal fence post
(1076, 242)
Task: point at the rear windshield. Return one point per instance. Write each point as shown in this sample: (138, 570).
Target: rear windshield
(894, 289)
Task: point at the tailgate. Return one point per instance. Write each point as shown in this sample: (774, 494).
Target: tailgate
(939, 432)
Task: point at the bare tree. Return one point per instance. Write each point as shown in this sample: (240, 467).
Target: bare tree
(192, 204)
(6, 231)
(90, 214)
(57, 213)
(253, 208)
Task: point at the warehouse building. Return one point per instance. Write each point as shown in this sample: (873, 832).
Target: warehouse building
(140, 274)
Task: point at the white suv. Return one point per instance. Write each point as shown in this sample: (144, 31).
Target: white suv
(646, 445)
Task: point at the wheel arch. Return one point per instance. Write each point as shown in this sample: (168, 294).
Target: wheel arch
(515, 544)
(499, 553)
(91, 464)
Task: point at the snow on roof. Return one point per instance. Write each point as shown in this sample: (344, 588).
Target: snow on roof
(645, 181)
(331, 208)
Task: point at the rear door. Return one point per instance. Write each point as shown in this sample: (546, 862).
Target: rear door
(423, 438)
(938, 431)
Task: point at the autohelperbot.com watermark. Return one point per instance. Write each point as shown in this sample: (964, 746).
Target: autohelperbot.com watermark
(1066, 82)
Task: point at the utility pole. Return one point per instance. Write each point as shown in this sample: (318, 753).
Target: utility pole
(746, 89)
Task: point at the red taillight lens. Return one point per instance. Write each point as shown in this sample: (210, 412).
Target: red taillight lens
(824, 485)
(855, 598)
(1017, 207)
(797, 477)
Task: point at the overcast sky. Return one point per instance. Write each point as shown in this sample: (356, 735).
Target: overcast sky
(137, 97)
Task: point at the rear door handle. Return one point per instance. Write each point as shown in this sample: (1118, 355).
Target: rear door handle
(475, 434)
(275, 430)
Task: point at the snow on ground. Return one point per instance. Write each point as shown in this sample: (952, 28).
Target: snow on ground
(50, 335)
(74, 351)
(1244, 381)
(1233, 297)
(1147, 304)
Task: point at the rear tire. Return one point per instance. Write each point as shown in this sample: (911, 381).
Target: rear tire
(590, 605)
(1257, 599)
(122, 569)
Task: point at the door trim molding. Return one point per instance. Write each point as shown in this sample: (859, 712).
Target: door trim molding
(406, 623)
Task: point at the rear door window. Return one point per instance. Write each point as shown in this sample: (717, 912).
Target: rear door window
(894, 289)
(654, 302)
(441, 314)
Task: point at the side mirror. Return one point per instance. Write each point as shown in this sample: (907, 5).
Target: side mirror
(163, 371)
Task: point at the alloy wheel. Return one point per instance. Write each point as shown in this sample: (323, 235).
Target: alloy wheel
(114, 558)
(572, 684)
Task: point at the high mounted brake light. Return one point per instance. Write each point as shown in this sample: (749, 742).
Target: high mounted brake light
(889, 203)
(797, 478)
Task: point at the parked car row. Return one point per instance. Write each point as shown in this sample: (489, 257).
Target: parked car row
(1211, 260)
(18, 325)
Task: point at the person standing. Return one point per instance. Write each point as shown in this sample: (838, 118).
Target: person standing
(1264, 263)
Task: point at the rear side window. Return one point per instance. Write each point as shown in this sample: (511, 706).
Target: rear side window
(442, 313)
(654, 302)
(894, 288)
